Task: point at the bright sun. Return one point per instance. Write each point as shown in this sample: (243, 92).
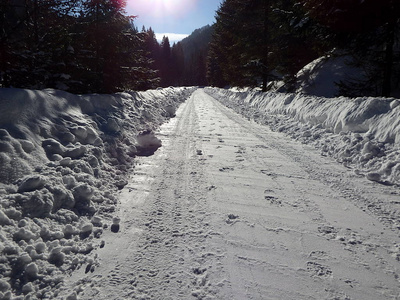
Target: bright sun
(161, 8)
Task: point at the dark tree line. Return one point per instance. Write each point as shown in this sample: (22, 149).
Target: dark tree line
(77, 45)
(260, 41)
(93, 46)
(87, 46)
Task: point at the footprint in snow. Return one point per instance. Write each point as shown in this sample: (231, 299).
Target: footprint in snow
(318, 255)
(269, 173)
(232, 219)
(199, 271)
(329, 231)
(273, 200)
(115, 225)
(224, 169)
(318, 270)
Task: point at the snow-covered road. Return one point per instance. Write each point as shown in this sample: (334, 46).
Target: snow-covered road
(228, 209)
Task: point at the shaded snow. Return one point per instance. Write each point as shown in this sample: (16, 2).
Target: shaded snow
(363, 133)
(321, 76)
(63, 158)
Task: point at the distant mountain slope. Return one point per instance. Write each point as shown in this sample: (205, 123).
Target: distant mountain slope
(195, 48)
(197, 41)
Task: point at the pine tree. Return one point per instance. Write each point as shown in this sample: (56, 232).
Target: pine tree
(292, 45)
(223, 64)
(110, 51)
(165, 62)
(178, 63)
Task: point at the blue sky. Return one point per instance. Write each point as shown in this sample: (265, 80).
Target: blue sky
(175, 18)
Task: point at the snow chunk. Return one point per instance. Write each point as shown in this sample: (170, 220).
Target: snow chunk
(28, 146)
(31, 183)
(148, 143)
(24, 234)
(51, 146)
(36, 204)
(28, 288)
(87, 228)
(4, 220)
(4, 285)
(82, 195)
(373, 176)
(56, 257)
(72, 296)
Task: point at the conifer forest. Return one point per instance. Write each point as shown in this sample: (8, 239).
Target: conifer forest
(93, 45)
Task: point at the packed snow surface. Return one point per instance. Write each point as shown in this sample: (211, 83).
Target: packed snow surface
(225, 209)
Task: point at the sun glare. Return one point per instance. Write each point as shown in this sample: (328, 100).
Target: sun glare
(161, 8)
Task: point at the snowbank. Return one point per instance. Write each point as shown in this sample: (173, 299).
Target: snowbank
(363, 133)
(63, 157)
(321, 76)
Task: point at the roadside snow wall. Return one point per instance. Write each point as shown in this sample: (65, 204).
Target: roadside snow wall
(63, 158)
(361, 132)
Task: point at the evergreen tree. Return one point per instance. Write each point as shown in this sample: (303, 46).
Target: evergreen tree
(152, 47)
(151, 50)
(223, 65)
(292, 44)
(178, 63)
(165, 62)
(102, 31)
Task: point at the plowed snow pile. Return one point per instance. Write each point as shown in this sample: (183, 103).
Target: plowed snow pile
(362, 133)
(63, 157)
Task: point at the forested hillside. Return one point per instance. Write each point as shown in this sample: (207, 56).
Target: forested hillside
(195, 49)
(260, 42)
